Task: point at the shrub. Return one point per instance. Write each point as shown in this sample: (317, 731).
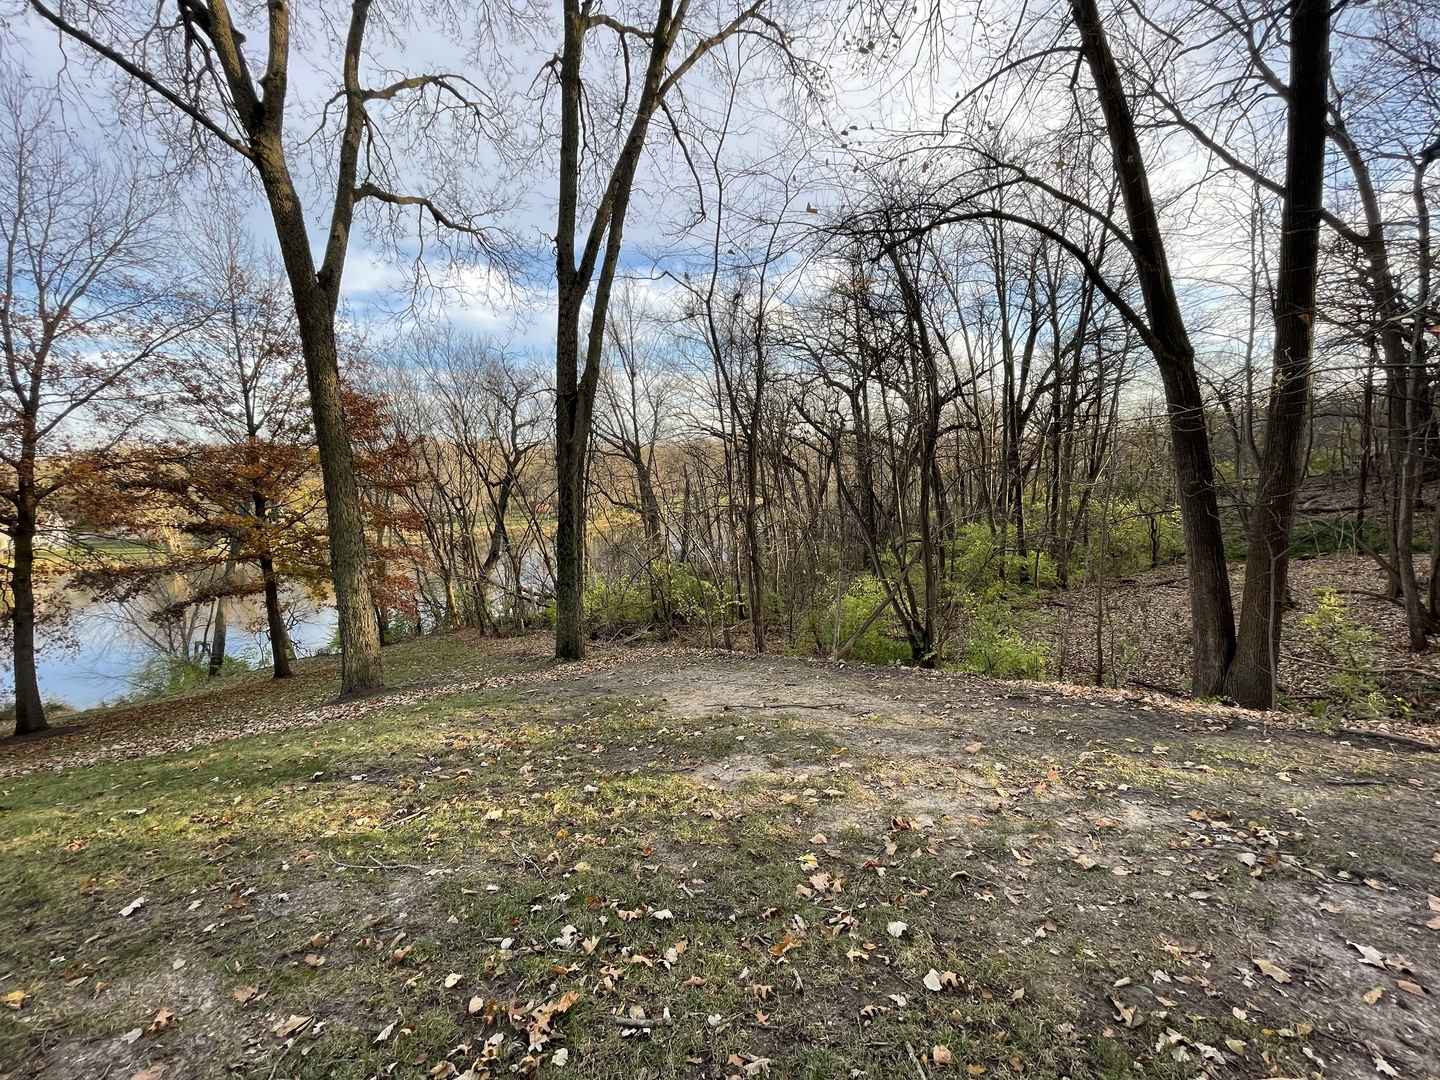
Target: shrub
(1353, 652)
(878, 645)
(996, 645)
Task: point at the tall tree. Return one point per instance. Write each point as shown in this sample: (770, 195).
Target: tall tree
(657, 46)
(80, 316)
(197, 62)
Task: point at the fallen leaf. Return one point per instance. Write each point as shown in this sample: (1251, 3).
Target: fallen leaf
(896, 929)
(941, 1055)
(1372, 996)
(1411, 988)
(14, 999)
(1280, 975)
(385, 1032)
(1434, 902)
(932, 981)
(1368, 955)
(150, 1072)
(452, 980)
(1085, 862)
(163, 1019)
(819, 838)
(1237, 1046)
(314, 960)
(1127, 1014)
(286, 1028)
(662, 914)
(560, 1057)
(132, 907)
(975, 1070)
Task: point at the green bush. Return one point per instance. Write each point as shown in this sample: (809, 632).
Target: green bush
(1353, 652)
(161, 676)
(879, 644)
(996, 645)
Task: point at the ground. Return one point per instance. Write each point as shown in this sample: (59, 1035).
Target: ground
(661, 863)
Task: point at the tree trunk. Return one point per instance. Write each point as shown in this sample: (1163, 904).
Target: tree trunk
(1211, 612)
(279, 638)
(217, 635)
(1251, 681)
(360, 670)
(29, 710)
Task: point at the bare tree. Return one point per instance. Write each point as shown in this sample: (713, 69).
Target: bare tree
(81, 317)
(655, 47)
(228, 75)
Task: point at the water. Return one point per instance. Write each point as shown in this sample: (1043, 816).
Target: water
(107, 643)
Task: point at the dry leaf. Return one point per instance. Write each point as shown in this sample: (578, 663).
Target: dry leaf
(896, 929)
(452, 980)
(1280, 975)
(314, 960)
(1368, 955)
(1085, 862)
(150, 1072)
(286, 1028)
(163, 1019)
(14, 999)
(1410, 987)
(941, 1055)
(975, 1070)
(1372, 996)
(1127, 1014)
(932, 980)
(1434, 902)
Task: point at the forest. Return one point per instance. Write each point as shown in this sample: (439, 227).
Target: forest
(1086, 294)
(719, 539)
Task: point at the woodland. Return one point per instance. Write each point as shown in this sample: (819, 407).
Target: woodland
(738, 450)
(1128, 292)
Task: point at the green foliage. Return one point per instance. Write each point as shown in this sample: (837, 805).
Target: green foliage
(996, 645)
(613, 602)
(977, 561)
(161, 676)
(1353, 651)
(1139, 539)
(878, 644)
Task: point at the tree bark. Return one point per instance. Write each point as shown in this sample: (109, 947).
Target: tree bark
(279, 638)
(29, 710)
(1251, 680)
(361, 670)
(1211, 611)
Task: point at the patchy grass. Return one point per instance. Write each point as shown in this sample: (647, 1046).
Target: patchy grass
(686, 866)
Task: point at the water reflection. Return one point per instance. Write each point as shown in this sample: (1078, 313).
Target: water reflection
(109, 641)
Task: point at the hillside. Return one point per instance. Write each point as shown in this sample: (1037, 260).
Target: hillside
(668, 863)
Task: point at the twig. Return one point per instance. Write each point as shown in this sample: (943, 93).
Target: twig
(1403, 740)
(916, 1061)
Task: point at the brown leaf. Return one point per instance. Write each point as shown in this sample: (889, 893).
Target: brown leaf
(941, 1055)
(1411, 988)
(1280, 975)
(1085, 862)
(150, 1072)
(246, 993)
(286, 1028)
(163, 1019)
(314, 960)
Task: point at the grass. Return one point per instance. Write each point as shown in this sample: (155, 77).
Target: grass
(417, 880)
